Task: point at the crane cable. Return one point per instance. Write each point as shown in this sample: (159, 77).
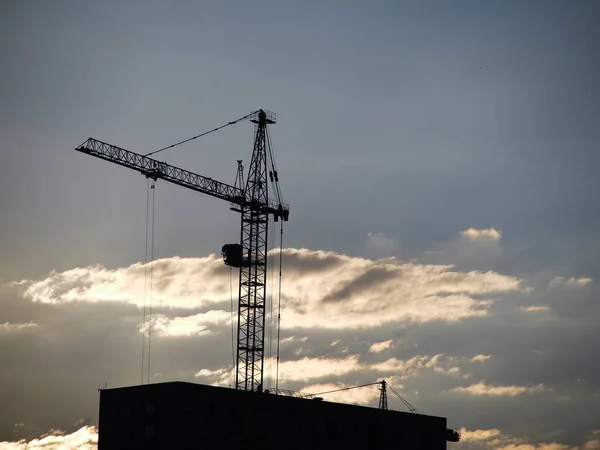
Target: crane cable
(269, 306)
(152, 187)
(345, 389)
(408, 405)
(279, 302)
(145, 281)
(275, 177)
(202, 134)
(232, 333)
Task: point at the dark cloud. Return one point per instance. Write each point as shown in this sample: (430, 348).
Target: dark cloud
(300, 263)
(370, 279)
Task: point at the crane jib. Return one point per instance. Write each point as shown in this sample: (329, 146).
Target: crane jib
(154, 169)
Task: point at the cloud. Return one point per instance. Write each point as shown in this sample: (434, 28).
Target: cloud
(490, 234)
(86, 438)
(592, 445)
(309, 370)
(378, 245)
(294, 339)
(176, 282)
(303, 370)
(404, 368)
(306, 369)
(356, 304)
(197, 324)
(357, 292)
(542, 446)
(494, 439)
(477, 435)
(321, 289)
(483, 389)
(572, 281)
(535, 308)
(7, 326)
(378, 347)
(219, 377)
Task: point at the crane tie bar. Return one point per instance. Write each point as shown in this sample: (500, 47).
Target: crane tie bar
(200, 135)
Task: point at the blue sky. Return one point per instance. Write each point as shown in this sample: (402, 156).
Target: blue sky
(400, 125)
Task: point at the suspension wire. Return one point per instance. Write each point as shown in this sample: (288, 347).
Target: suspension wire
(408, 405)
(202, 134)
(271, 158)
(145, 281)
(270, 272)
(266, 328)
(232, 334)
(151, 279)
(346, 388)
(279, 303)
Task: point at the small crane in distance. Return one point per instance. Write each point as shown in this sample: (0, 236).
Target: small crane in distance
(255, 206)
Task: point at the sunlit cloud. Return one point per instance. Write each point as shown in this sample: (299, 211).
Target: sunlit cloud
(510, 391)
(592, 445)
(410, 367)
(321, 289)
(293, 371)
(196, 325)
(176, 282)
(86, 438)
(294, 339)
(8, 326)
(477, 435)
(306, 369)
(378, 347)
(535, 308)
(355, 292)
(404, 367)
(571, 281)
(490, 234)
(219, 377)
(494, 439)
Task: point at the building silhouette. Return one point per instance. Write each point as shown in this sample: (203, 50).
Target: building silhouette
(180, 415)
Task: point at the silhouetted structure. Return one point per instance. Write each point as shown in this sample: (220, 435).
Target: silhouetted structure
(181, 415)
(255, 206)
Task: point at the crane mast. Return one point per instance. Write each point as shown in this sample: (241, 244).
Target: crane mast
(253, 273)
(250, 255)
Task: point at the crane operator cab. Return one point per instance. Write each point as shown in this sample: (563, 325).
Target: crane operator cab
(233, 255)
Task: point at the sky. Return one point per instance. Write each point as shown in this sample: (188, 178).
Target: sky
(439, 159)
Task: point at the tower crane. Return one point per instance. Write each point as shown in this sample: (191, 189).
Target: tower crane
(250, 199)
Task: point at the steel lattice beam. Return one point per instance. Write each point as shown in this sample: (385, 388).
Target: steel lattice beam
(252, 282)
(154, 169)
